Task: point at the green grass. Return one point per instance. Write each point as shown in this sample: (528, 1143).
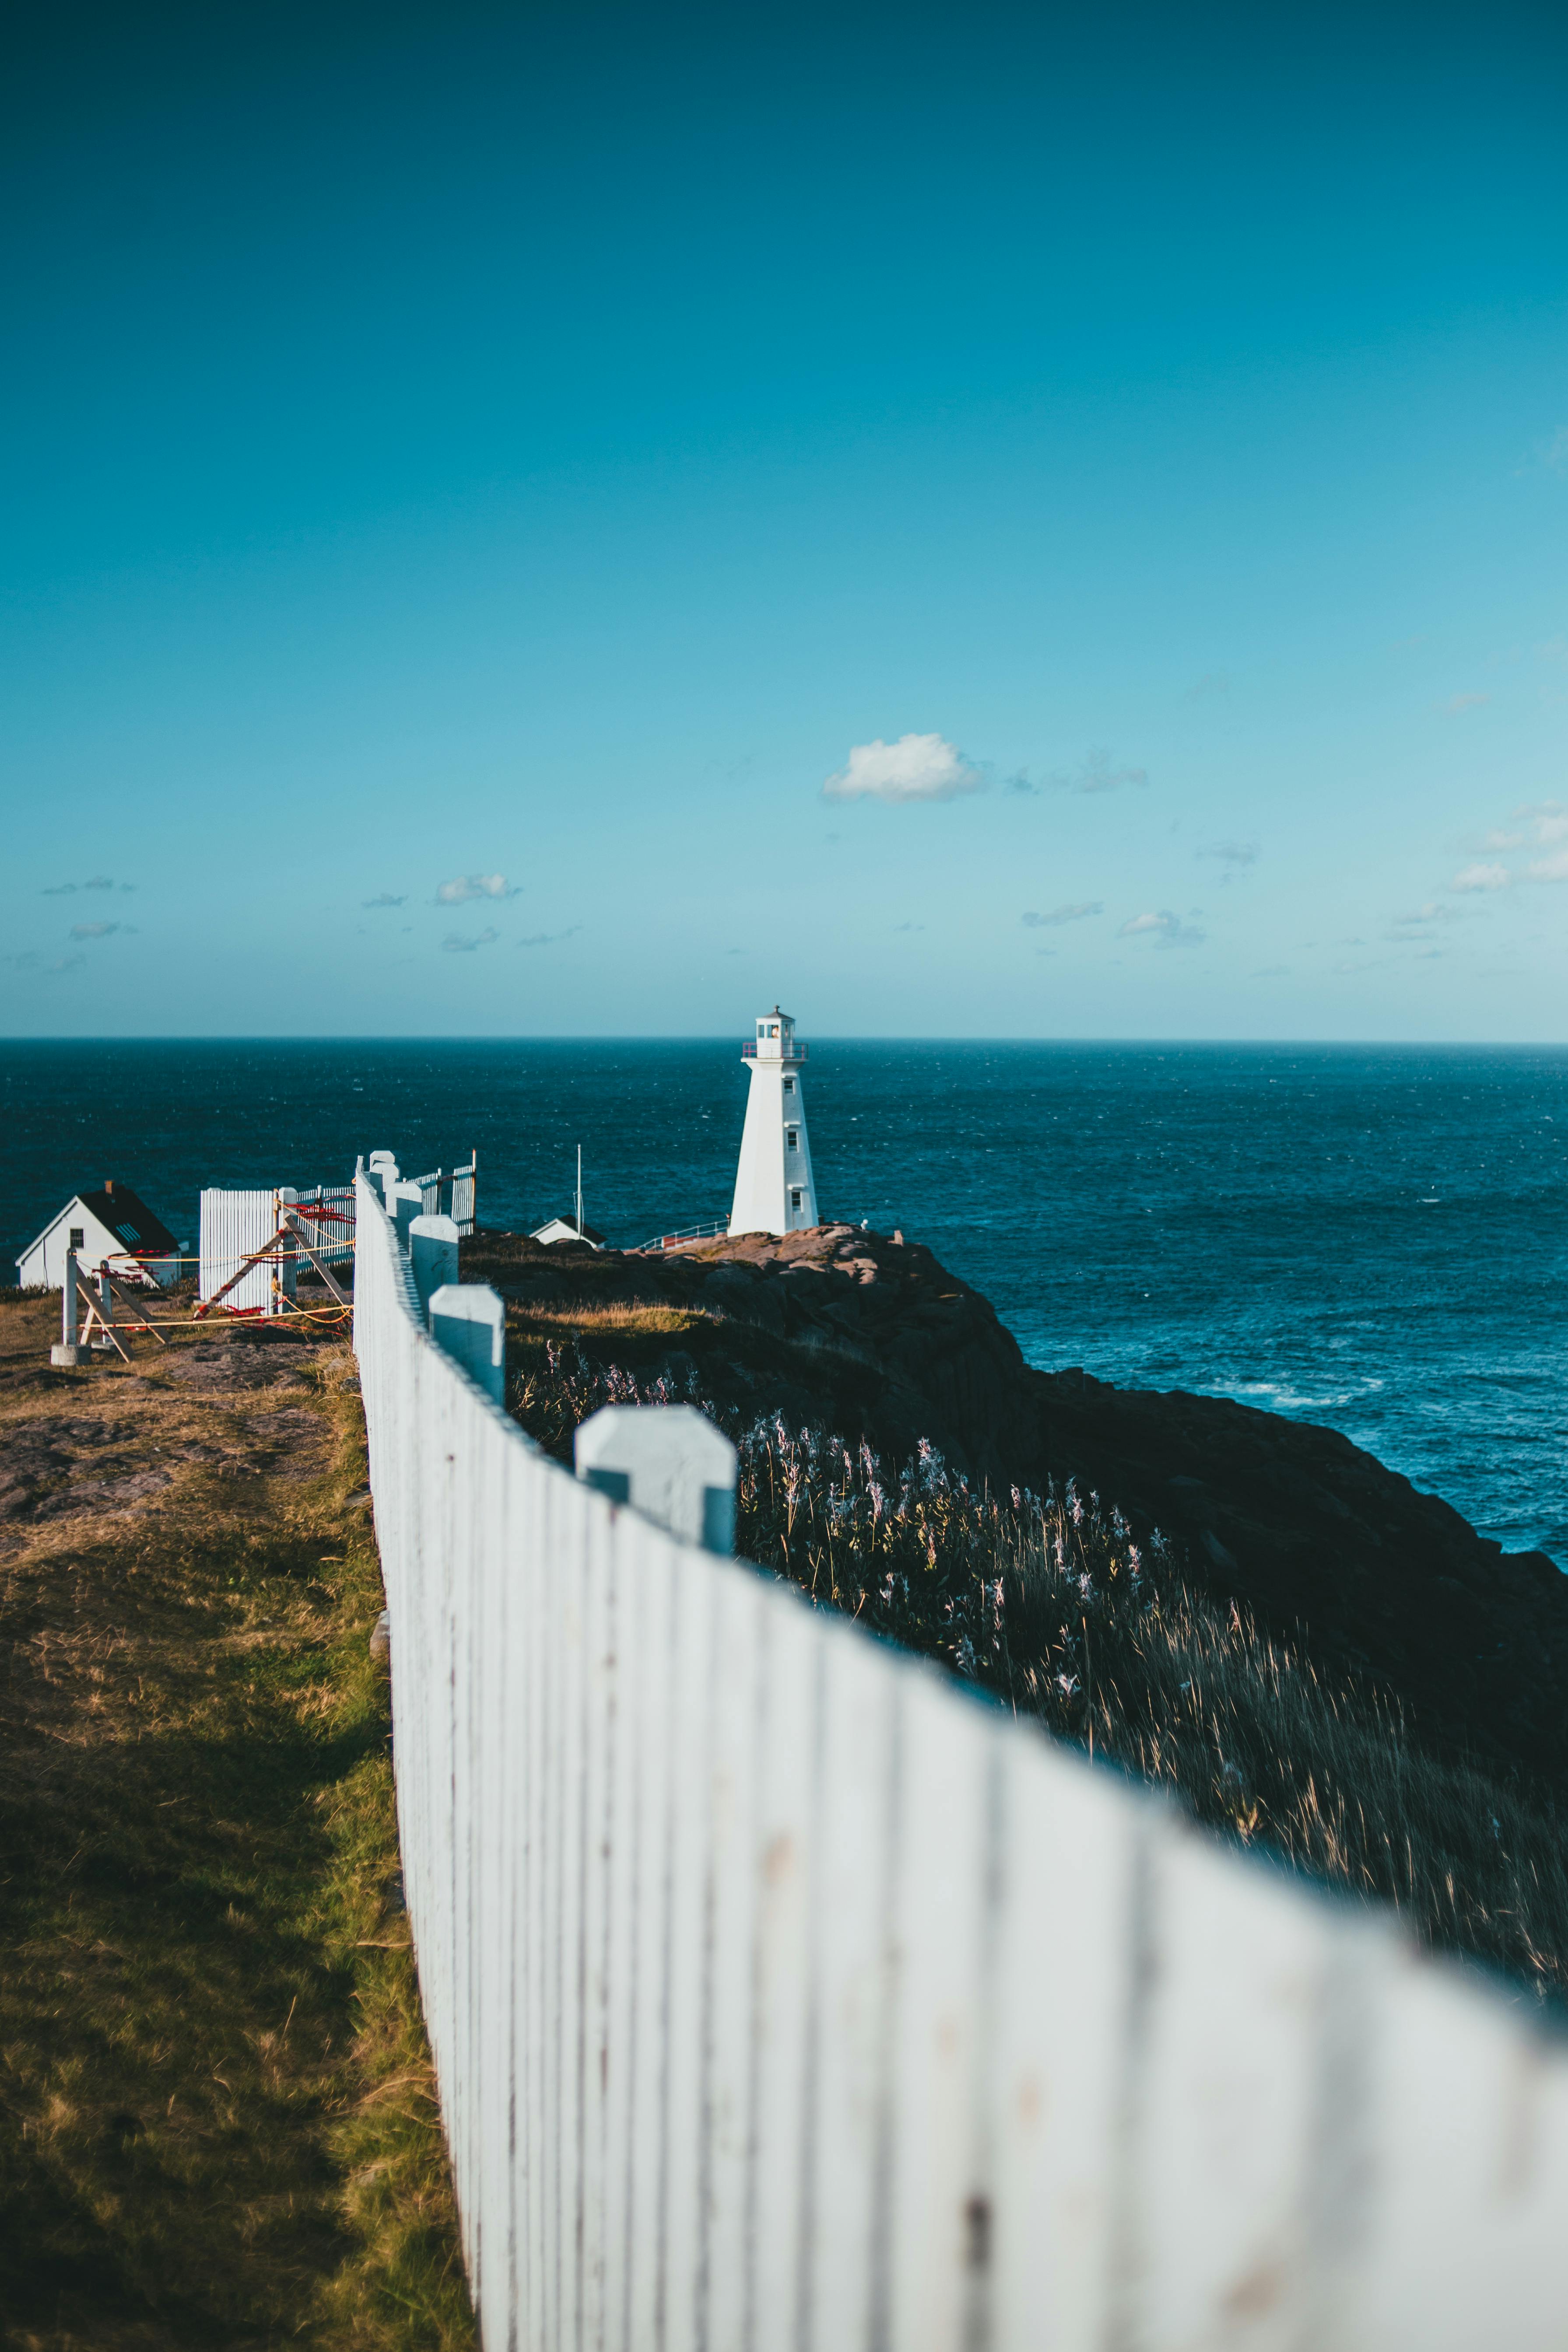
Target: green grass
(218, 2121)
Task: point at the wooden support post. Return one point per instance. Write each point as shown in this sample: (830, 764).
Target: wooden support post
(289, 1264)
(254, 1259)
(295, 1226)
(120, 1289)
(100, 1310)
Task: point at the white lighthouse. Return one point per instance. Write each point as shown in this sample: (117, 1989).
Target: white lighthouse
(775, 1192)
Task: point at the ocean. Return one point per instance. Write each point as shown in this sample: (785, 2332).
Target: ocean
(1372, 1238)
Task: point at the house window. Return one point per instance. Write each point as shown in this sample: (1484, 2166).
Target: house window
(794, 1196)
(792, 1137)
(79, 1237)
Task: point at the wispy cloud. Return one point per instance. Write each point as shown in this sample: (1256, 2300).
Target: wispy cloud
(97, 882)
(1097, 775)
(1213, 681)
(1423, 918)
(100, 882)
(1555, 452)
(1542, 825)
(1166, 929)
(1073, 913)
(909, 926)
(33, 959)
(463, 886)
(1236, 856)
(1458, 702)
(1270, 972)
(549, 938)
(915, 768)
(385, 899)
(98, 930)
(455, 943)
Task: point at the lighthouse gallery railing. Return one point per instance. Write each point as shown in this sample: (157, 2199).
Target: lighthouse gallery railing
(782, 1998)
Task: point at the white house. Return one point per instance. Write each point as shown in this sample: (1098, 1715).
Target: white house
(113, 1225)
(775, 1191)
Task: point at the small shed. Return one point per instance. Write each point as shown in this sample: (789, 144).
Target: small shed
(568, 1229)
(113, 1226)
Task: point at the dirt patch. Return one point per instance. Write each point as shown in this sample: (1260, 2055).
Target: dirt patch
(236, 1363)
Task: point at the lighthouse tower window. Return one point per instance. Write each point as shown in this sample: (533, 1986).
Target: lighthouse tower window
(794, 1196)
(792, 1137)
(789, 1086)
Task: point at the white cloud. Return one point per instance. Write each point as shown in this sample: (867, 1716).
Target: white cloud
(549, 938)
(1240, 854)
(98, 930)
(915, 768)
(1482, 878)
(1550, 819)
(1074, 913)
(456, 944)
(100, 882)
(1167, 931)
(385, 899)
(1458, 702)
(463, 886)
(1555, 452)
(1551, 869)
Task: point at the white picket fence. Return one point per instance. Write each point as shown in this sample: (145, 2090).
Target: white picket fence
(784, 2000)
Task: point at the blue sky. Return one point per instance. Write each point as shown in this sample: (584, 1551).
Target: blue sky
(971, 521)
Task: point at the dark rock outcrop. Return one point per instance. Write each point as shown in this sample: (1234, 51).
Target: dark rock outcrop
(1319, 1540)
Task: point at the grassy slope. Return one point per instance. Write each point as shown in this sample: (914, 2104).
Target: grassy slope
(216, 2116)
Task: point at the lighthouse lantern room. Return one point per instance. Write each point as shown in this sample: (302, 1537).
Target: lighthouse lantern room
(774, 1191)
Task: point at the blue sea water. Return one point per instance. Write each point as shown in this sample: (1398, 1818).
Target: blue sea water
(1374, 1238)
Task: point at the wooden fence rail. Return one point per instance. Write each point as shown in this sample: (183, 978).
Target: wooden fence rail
(784, 2000)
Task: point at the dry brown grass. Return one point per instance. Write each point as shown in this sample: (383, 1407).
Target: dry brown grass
(217, 2123)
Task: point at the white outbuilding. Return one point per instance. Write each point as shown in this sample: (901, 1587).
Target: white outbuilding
(113, 1227)
(568, 1229)
(774, 1190)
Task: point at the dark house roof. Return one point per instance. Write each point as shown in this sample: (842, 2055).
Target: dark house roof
(126, 1215)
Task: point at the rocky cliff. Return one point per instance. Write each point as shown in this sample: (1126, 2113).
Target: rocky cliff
(875, 1338)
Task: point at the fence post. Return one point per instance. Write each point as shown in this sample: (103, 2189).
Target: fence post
(467, 1322)
(667, 1461)
(432, 1256)
(404, 1203)
(67, 1348)
(288, 1256)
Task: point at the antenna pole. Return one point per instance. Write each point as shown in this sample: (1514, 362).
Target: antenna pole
(579, 1192)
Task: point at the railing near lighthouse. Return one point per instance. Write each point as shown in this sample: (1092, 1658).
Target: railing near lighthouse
(790, 1053)
(784, 1998)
